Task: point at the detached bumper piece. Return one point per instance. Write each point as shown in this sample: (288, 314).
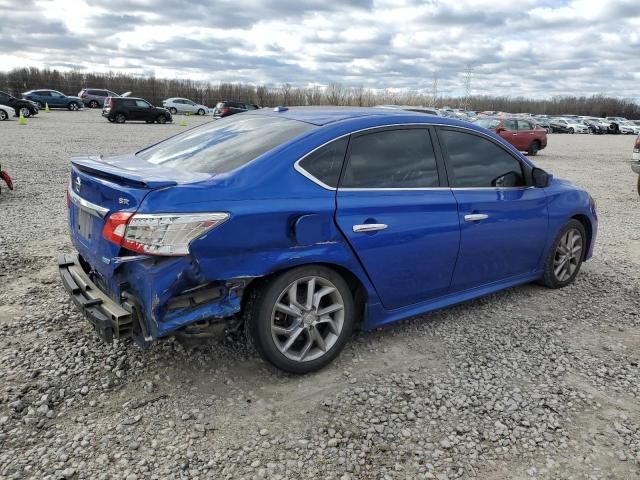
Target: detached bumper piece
(108, 318)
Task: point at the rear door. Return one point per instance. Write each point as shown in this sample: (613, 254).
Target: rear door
(398, 217)
(503, 220)
(526, 133)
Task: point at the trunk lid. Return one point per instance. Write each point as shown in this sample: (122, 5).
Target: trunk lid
(100, 186)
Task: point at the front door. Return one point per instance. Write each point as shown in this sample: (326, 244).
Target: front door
(511, 134)
(503, 220)
(402, 225)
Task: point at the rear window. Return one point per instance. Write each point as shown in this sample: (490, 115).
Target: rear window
(224, 145)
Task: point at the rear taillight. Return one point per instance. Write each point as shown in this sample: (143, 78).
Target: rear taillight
(159, 234)
(108, 102)
(115, 227)
(83, 95)
(225, 110)
(636, 147)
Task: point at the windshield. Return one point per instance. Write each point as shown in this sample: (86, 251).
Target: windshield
(488, 123)
(224, 145)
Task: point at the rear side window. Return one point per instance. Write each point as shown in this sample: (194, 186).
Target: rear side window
(128, 102)
(224, 145)
(475, 162)
(326, 162)
(392, 159)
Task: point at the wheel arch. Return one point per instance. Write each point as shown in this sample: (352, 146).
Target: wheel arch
(357, 287)
(588, 228)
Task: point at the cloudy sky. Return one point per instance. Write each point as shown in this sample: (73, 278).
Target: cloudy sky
(530, 47)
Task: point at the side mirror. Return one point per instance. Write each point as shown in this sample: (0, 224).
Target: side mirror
(500, 129)
(541, 178)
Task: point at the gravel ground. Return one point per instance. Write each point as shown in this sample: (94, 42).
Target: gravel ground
(526, 383)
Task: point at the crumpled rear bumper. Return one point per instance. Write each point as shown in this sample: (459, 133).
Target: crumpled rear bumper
(109, 319)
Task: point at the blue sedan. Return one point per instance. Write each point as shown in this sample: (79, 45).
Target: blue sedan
(301, 224)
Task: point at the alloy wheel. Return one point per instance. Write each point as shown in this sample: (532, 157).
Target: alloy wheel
(307, 319)
(73, 106)
(3, 115)
(26, 113)
(568, 255)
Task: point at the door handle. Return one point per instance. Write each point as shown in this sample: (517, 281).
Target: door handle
(369, 227)
(475, 217)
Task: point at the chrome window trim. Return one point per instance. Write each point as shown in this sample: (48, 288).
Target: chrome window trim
(306, 174)
(91, 208)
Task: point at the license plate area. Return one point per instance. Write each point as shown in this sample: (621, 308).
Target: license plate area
(85, 224)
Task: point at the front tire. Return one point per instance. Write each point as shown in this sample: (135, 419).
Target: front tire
(161, 119)
(571, 130)
(173, 110)
(566, 255)
(638, 184)
(73, 106)
(201, 112)
(300, 320)
(3, 115)
(93, 104)
(26, 113)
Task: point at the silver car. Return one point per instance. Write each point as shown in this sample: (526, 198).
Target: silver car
(95, 97)
(183, 105)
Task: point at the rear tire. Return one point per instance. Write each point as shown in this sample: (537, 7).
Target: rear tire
(533, 148)
(638, 184)
(571, 130)
(566, 255)
(120, 118)
(93, 104)
(297, 337)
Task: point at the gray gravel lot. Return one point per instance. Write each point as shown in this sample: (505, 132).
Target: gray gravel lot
(526, 383)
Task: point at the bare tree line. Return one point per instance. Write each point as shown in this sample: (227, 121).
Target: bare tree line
(155, 90)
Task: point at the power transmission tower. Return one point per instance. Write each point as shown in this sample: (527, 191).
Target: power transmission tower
(434, 90)
(467, 87)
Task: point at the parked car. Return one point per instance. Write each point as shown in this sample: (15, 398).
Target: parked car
(6, 112)
(54, 99)
(95, 97)
(635, 160)
(183, 105)
(224, 109)
(266, 220)
(628, 128)
(543, 123)
(19, 105)
(523, 134)
(597, 125)
(565, 125)
(616, 119)
(122, 109)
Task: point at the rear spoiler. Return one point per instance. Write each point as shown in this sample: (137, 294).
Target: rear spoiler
(134, 171)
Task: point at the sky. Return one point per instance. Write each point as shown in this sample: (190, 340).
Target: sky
(532, 48)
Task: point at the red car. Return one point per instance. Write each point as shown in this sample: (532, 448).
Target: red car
(523, 134)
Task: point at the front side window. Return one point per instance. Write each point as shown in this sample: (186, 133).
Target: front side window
(57, 94)
(524, 125)
(142, 104)
(392, 159)
(43, 93)
(488, 123)
(221, 146)
(510, 125)
(326, 162)
(476, 162)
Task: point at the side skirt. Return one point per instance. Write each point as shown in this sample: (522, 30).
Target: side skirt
(377, 316)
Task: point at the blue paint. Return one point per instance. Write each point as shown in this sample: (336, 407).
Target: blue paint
(427, 258)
